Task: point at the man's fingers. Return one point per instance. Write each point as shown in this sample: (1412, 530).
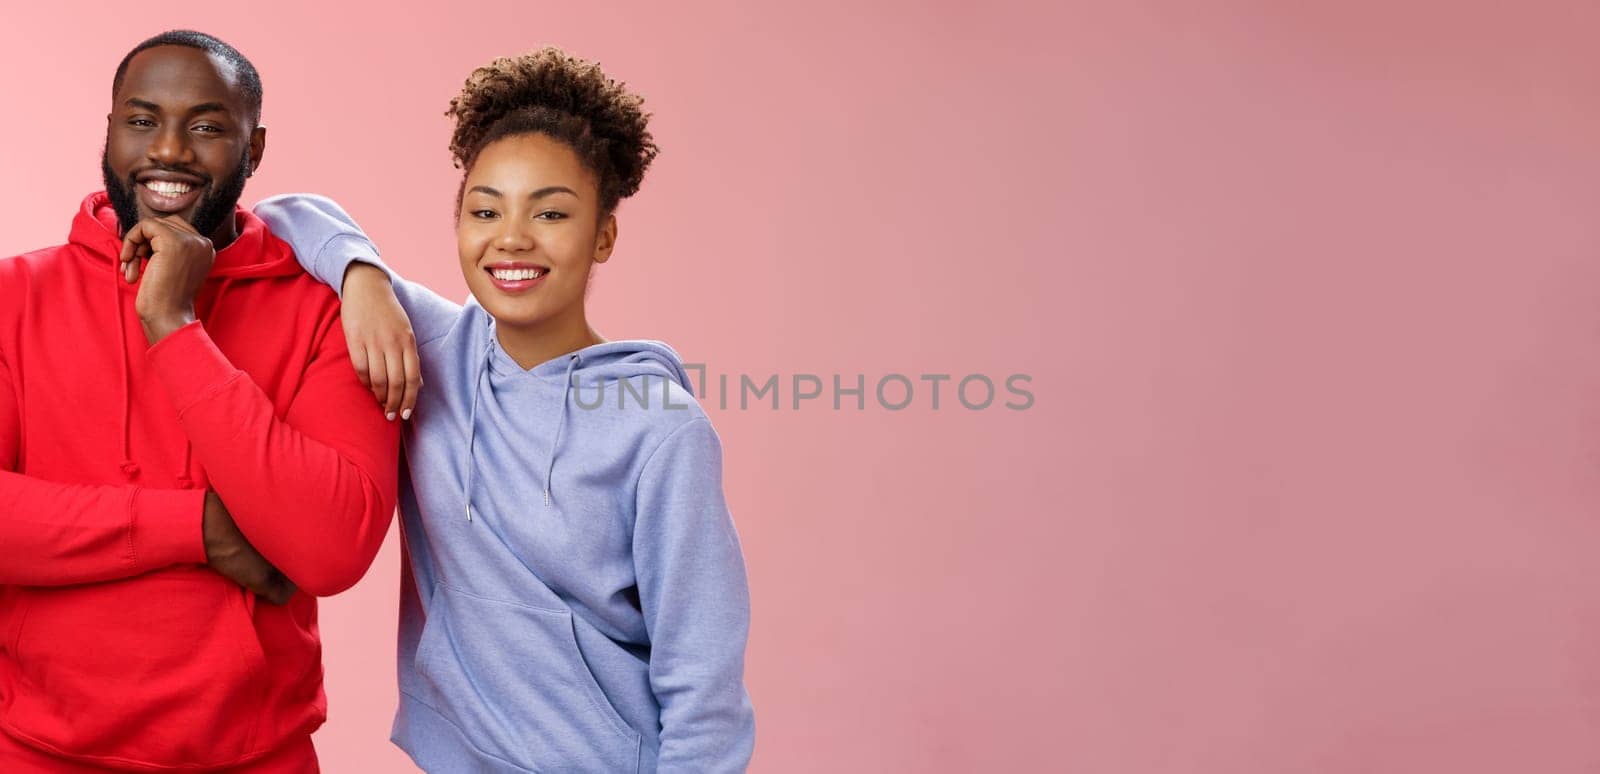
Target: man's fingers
(136, 247)
(279, 589)
(177, 223)
(268, 583)
(413, 370)
(131, 242)
(134, 266)
(140, 241)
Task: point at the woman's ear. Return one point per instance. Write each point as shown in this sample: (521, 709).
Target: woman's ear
(606, 240)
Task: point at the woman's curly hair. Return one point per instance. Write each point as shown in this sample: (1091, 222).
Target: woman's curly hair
(571, 100)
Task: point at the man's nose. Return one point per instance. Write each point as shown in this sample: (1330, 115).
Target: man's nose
(170, 148)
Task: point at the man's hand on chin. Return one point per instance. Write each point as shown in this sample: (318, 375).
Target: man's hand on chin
(179, 259)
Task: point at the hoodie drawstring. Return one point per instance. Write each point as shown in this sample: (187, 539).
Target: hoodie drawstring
(130, 468)
(561, 424)
(472, 424)
(472, 420)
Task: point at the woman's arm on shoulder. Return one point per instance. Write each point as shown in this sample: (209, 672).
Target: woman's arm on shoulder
(385, 317)
(327, 242)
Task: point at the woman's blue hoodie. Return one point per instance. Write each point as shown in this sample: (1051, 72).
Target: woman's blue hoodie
(574, 596)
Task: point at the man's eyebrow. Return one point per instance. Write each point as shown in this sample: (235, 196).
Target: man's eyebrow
(204, 107)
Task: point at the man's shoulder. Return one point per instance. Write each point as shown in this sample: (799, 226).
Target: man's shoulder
(290, 299)
(51, 253)
(16, 269)
(22, 277)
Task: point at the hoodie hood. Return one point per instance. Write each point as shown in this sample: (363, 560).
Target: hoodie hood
(255, 253)
(594, 367)
(599, 363)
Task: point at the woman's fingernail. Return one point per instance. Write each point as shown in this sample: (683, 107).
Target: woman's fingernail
(405, 414)
(390, 416)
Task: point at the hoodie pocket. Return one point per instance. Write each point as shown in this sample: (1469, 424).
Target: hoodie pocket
(511, 676)
(161, 670)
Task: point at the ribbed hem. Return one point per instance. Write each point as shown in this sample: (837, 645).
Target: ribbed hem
(436, 744)
(339, 253)
(296, 754)
(165, 525)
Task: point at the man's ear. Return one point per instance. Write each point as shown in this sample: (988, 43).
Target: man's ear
(258, 147)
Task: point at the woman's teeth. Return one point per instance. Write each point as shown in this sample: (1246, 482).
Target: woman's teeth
(168, 189)
(512, 275)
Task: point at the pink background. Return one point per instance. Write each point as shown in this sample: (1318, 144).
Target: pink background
(1309, 297)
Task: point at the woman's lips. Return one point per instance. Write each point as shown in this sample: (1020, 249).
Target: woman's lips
(515, 279)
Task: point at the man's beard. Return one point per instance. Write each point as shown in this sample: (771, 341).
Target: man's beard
(215, 204)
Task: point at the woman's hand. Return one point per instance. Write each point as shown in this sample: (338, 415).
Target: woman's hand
(382, 345)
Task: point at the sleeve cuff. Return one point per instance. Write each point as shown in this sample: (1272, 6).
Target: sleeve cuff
(166, 527)
(343, 250)
(191, 366)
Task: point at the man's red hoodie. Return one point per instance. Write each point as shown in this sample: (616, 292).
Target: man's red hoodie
(118, 647)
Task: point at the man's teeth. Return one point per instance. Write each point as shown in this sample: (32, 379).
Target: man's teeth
(512, 275)
(168, 189)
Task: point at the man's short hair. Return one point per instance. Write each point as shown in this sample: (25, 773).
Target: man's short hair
(249, 79)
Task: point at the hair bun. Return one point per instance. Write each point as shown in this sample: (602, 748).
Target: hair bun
(552, 92)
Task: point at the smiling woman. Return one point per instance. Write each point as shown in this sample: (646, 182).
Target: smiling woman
(576, 596)
(510, 208)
